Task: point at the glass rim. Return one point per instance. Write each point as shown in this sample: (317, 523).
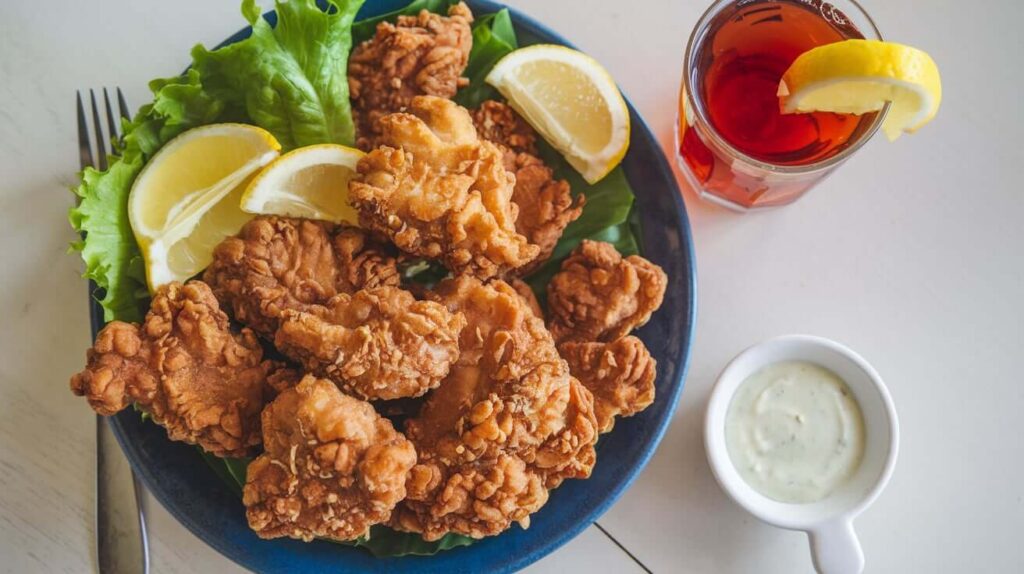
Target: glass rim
(696, 103)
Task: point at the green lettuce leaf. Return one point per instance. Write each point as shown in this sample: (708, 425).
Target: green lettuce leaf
(112, 258)
(220, 468)
(493, 38)
(290, 79)
(605, 217)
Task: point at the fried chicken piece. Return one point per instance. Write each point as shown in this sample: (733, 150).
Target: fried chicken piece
(438, 191)
(546, 205)
(499, 123)
(377, 344)
(331, 467)
(276, 264)
(283, 379)
(505, 426)
(619, 374)
(527, 294)
(418, 55)
(601, 296)
(185, 367)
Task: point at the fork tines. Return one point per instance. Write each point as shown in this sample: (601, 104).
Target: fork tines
(85, 155)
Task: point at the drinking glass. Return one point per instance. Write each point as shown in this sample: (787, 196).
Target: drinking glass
(734, 145)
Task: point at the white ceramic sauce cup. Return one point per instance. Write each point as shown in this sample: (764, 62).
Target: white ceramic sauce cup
(828, 522)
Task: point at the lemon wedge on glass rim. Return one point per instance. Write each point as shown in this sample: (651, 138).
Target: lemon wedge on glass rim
(571, 100)
(310, 182)
(860, 76)
(186, 199)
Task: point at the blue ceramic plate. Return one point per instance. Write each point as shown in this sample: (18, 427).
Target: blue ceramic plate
(189, 489)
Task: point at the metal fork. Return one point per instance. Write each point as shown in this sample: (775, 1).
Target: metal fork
(121, 543)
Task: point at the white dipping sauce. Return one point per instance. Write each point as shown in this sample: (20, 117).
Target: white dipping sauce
(794, 431)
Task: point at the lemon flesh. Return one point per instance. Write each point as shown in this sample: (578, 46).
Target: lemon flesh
(186, 199)
(571, 100)
(310, 182)
(861, 76)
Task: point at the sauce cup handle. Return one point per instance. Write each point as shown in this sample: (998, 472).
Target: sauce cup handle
(835, 548)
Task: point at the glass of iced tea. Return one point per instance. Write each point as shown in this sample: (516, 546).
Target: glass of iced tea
(735, 146)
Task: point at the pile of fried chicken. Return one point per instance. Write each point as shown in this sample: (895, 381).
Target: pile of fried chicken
(513, 403)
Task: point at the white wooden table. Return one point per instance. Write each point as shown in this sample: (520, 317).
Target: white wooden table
(913, 254)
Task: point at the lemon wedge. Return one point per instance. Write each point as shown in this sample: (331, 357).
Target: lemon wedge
(185, 200)
(310, 182)
(571, 100)
(860, 76)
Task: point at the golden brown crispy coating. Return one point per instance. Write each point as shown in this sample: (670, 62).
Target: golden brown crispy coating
(282, 379)
(377, 344)
(504, 427)
(619, 374)
(418, 55)
(205, 384)
(546, 205)
(438, 191)
(276, 264)
(331, 466)
(499, 123)
(527, 294)
(601, 296)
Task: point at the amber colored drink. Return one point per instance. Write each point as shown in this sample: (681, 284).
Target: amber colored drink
(735, 70)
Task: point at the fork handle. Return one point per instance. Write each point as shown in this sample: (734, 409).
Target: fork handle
(121, 543)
